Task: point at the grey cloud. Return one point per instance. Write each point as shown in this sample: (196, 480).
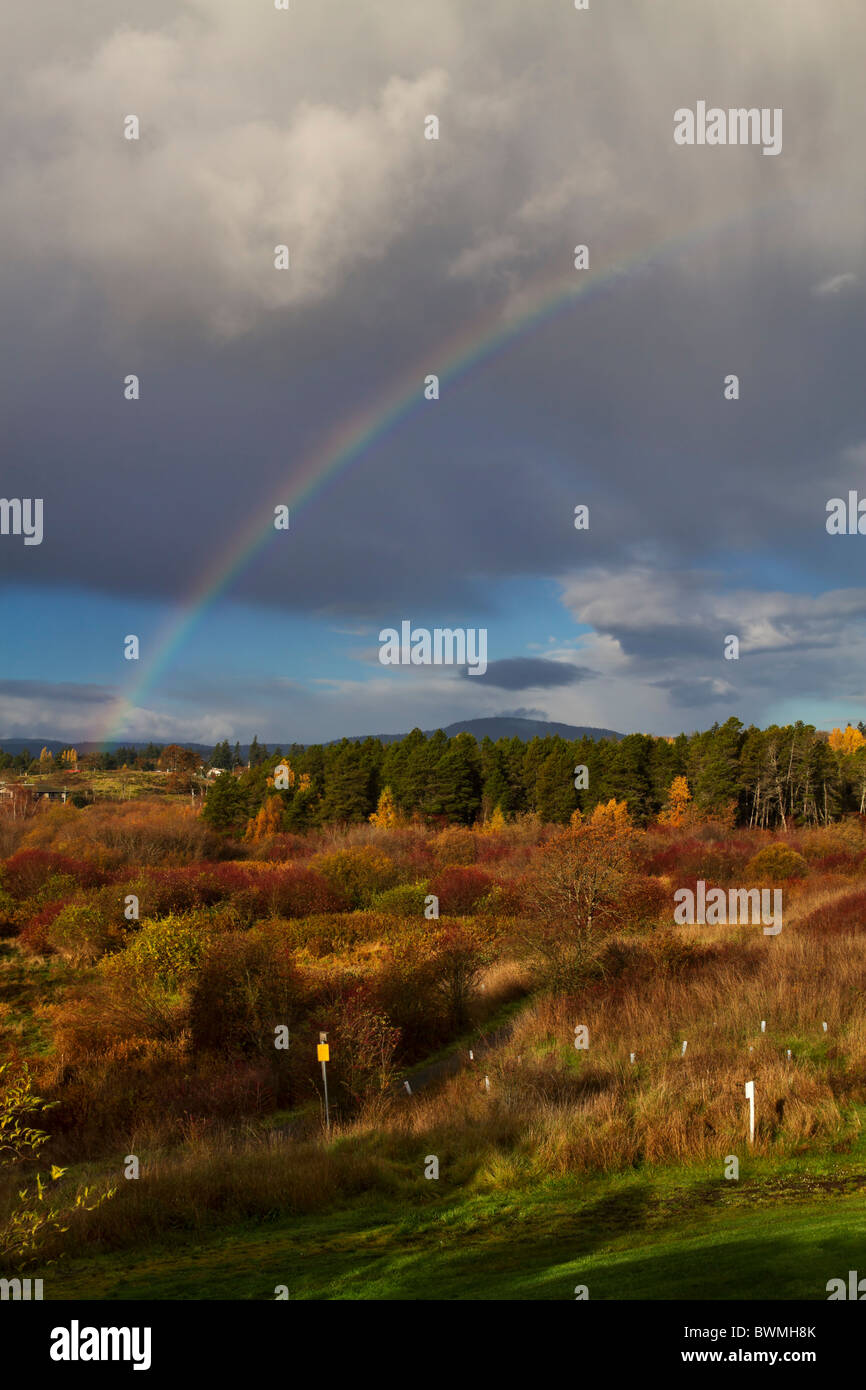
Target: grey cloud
(257, 128)
(68, 692)
(529, 673)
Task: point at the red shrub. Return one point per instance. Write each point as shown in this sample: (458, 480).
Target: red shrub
(195, 885)
(27, 871)
(840, 918)
(717, 860)
(288, 892)
(458, 888)
(492, 849)
(295, 892)
(34, 936)
(644, 902)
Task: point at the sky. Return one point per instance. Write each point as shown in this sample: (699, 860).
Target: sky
(559, 387)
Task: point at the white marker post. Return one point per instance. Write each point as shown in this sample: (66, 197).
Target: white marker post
(631, 1056)
(750, 1096)
(763, 1025)
(323, 1053)
(683, 1053)
(408, 1088)
(825, 1027)
(487, 1083)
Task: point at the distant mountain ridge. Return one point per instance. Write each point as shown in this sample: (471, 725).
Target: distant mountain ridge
(508, 726)
(497, 726)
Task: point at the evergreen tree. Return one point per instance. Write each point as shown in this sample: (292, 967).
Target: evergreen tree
(555, 798)
(225, 806)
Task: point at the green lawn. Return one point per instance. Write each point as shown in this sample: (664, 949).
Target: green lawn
(780, 1232)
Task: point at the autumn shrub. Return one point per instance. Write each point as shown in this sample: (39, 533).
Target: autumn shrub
(641, 903)
(455, 845)
(504, 900)
(28, 872)
(833, 849)
(405, 989)
(245, 987)
(144, 988)
(144, 832)
(282, 847)
(358, 874)
(161, 891)
(459, 954)
(674, 953)
(298, 892)
(722, 861)
(155, 1090)
(492, 847)
(776, 863)
(694, 856)
(169, 949)
(86, 929)
(34, 934)
(9, 920)
(404, 900)
(364, 1044)
(459, 888)
(839, 917)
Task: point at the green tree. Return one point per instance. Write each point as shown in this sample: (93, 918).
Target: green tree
(225, 806)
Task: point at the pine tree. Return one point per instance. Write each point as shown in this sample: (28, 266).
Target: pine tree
(225, 807)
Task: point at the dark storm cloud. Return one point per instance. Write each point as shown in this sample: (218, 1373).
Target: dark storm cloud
(529, 673)
(156, 258)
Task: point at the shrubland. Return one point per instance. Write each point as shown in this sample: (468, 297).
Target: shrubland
(164, 982)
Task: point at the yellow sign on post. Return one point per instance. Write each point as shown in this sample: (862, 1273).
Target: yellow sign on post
(324, 1052)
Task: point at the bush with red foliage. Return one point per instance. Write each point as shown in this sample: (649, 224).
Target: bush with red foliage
(842, 917)
(34, 937)
(255, 893)
(289, 892)
(459, 888)
(29, 870)
(838, 861)
(277, 849)
(719, 860)
(644, 902)
(492, 848)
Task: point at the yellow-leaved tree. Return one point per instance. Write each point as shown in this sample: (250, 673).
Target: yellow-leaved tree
(495, 822)
(385, 814)
(676, 810)
(269, 820)
(848, 741)
(611, 817)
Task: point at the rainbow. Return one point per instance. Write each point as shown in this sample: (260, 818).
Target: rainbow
(542, 301)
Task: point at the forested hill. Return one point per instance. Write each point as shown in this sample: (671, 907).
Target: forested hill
(506, 726)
